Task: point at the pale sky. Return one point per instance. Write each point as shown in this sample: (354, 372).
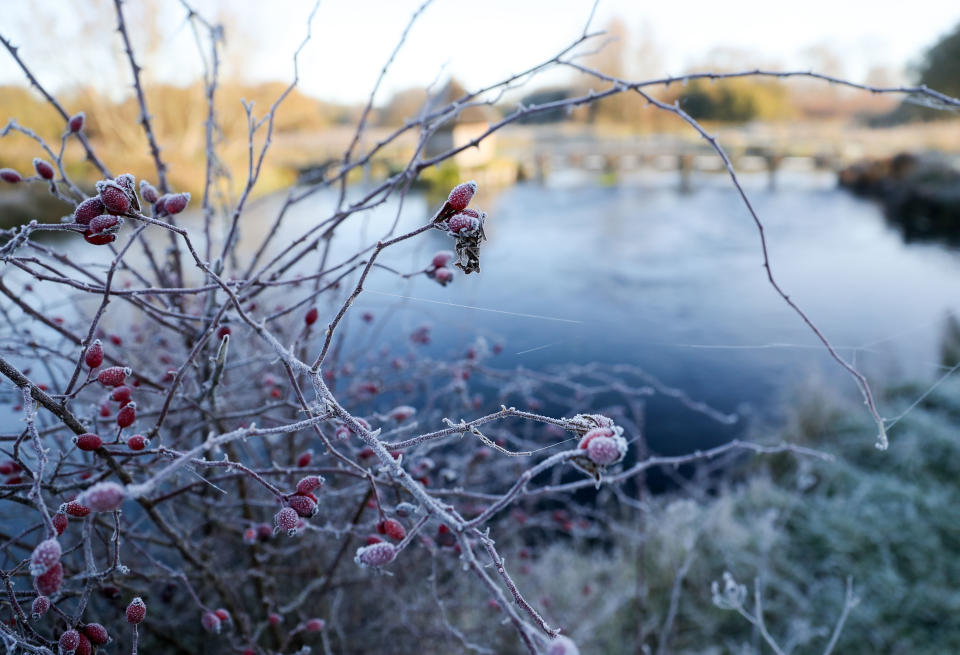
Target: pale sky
(478, 42)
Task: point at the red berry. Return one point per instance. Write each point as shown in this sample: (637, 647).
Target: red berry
(274, 619)
(443, 275)
(286, 520)
(210, 622)
(44, 556)
(264, 531)
(374, 539)
(113, 376)
(315, 625)
(148, 192)
(250, 536)
(604, 451)
(94, 355)
(304, 459)
(136, 611)
(375, 555)
(75, 124)
(176, 203)
(43, 168)
(442, 258)
(303, 506)
(96, 633)
(103, 496)
(49, 583)
(461, 195)
(127, 415)
(594, 434)
(40, 606)
(309, 483)
(87, 210)
(69, 641)
(88, 441)
(137, 442)
(312, 315)
(84, 648)
(105, 410)
(10, 175)
(103, 223)
(121, 394)
(75, 509)
(116, 339)
(463, 224)
(114, 197)
(60, 522)
(223, 615)
(392, 528)
(367, 317)
(223, 331)
(98, 239)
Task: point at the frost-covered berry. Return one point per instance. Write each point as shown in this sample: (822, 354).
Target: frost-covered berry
(89, 441)
(113, 376)
(311, 316)
(137, 442)
(223, 615)
(96, 633)
(561, 645)
(392, 528)
(69, 641)
(103, 496)
(127, 415)
(604, 451)
(375, 555)
(223, 331)
(87, 210)
(10, 175)
(99, 238)
(136, 611)
(463, 225)
(303, 506)
(286, 520)
(85, 647)
(442, 258)
(148, 192)
(94, 355)
(309, 483)
(315, 625)
(443, 276)
(105, 223)
(114, 197)
(40, 606)
(75, 124)
(461, 195)
(274, 619)
(127, 182)
(210, 622)
(43, 168)
(176, 202)
(75, 509)
(373, 539)
(604, 445)
(44, 556)
(121, 394)
(49, 583)
(60, 522)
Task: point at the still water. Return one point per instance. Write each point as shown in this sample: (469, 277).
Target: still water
(671, 281)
